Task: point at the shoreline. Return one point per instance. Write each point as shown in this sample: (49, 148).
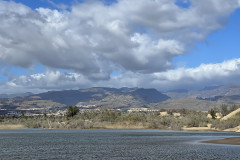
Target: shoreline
(197, 129)
(229, 141)
(12, 126)
(116, 126)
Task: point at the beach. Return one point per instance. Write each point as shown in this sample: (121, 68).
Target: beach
(11, 126)
(231, 141)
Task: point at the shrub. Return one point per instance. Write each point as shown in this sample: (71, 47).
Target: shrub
(72, 111)
(224, 109)
(212, 112)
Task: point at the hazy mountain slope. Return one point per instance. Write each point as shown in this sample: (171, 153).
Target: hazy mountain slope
(28, 104)
(15, 95)
(99, 97)
(73, 97)
(102, 97)
(234, 99)
(207, 92)
(187, 103)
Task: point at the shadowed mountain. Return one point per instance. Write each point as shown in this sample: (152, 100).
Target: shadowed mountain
(178, 91)
(98, 97)
(124, 98)
(233, 99)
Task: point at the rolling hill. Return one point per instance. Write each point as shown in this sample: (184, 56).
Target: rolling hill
(99, 97)
(124, 98)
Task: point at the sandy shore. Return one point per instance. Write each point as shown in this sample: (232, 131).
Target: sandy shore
(198, 129)
(232, 141)
(207, 128)
(11, 126)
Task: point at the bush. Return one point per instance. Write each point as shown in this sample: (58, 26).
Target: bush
(224, 109)
(233, 108)
(222, 125)
(212, 112)
(72, 111)
(195, 119)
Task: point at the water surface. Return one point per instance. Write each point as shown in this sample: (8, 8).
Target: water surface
(113, 144)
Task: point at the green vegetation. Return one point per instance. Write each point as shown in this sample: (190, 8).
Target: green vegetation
(72, 111)
(212, 113)
(107, 118)
(229, 123)
(226, 124)
(113, 119)
(225, 109)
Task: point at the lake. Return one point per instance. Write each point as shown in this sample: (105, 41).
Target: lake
(114, 144)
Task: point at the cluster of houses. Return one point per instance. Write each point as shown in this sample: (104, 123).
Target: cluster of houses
(162, 113)
(30, 113)
(62, 112)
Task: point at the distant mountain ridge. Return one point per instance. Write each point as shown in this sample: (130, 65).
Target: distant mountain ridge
(15, 95)
(125, 98)
(207, 92)
(97, 95)
(101, 97)
(210, 88)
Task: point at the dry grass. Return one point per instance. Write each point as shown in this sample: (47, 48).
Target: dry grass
(232, 114)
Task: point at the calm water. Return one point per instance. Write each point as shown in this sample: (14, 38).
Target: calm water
(113, 144)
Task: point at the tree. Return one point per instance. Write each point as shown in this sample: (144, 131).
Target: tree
(212, 113)
(233, 108)
(224, 109)
(72, 111)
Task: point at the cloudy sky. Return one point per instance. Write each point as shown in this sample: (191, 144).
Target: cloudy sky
(163, 44)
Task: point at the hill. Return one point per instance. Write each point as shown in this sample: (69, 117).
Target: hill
(99, 97)
(106, 97)
(15, 95)
(187, 103)
(206, 92)
(124, 98)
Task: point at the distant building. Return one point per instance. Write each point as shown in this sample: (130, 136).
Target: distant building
(142, 110)
(164, 114)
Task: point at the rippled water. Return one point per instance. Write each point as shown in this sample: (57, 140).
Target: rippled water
(113, 144)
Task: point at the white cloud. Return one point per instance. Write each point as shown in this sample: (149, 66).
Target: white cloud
(189, 78)
(137, 37)
(93, 39)
(206, 74)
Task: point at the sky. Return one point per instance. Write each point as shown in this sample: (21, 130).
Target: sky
(163, 44)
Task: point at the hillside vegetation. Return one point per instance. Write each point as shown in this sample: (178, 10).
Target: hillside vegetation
(114, 119)
(124, 98)
(174, 119)
(187, 103)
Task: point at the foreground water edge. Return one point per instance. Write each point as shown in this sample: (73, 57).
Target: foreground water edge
(232, 141)
(114, 144)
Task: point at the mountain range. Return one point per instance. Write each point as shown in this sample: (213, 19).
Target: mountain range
(99, 97)
(15, 95)
(124, 98)
(206, 92)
